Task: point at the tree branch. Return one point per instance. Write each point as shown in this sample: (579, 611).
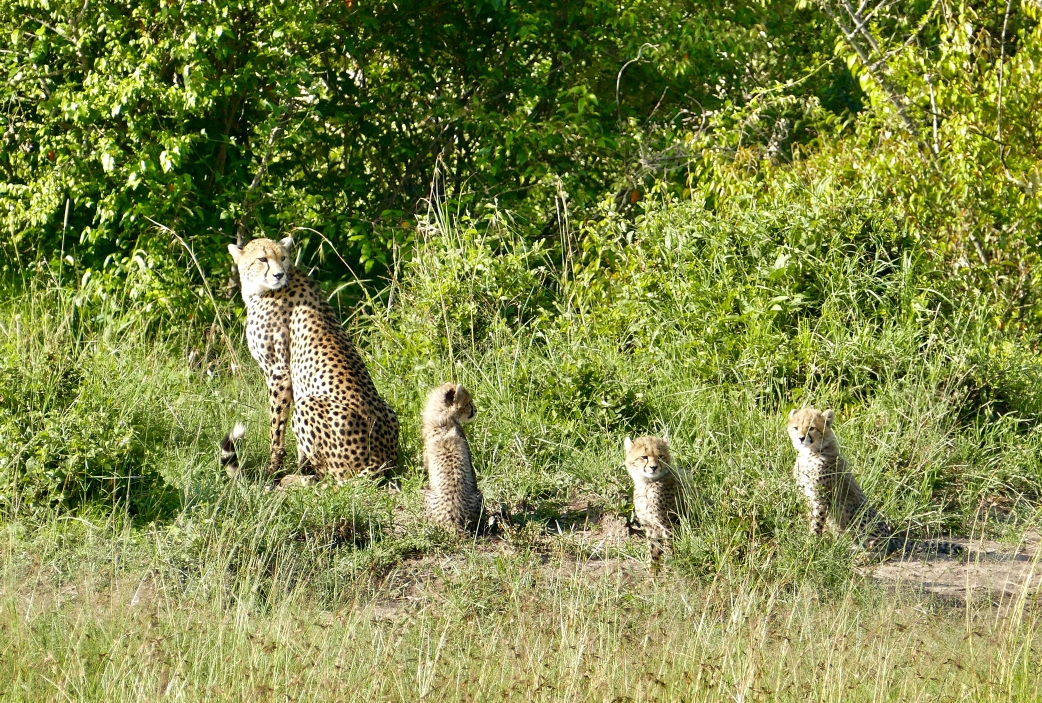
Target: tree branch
(1002, 61)
(246, 208)
(897, 98)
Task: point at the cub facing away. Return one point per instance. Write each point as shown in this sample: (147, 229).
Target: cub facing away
(656, 491)
(342, 424)
(452, 499)
(830, 488)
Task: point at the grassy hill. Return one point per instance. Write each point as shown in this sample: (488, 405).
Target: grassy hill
(132, 568)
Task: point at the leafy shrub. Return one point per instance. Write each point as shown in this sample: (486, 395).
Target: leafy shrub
(84, 451)
(237, 116)
(73, 430)
(469, 277)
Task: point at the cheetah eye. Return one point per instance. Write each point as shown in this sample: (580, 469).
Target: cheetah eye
(263, 259)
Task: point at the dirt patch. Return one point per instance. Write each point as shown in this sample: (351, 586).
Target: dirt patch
(578, 542)
(987, 571)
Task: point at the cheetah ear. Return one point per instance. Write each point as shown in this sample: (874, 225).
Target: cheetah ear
(829, 417)
(628, 444)
(792, 413)
(450, 395)
(665, 435)
(287, 244)
(235, 251)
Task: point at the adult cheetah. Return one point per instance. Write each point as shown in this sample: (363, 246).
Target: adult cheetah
(342, 425)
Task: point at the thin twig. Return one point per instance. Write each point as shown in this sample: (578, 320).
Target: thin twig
(933, 114)
(1002, 61)
(247, 208)
(859, 25)
(618, 78)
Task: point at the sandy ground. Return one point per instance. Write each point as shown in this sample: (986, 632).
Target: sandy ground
(988, 571)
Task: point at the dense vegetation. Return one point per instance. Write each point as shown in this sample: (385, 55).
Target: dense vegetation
(603, 219)
(225, 118)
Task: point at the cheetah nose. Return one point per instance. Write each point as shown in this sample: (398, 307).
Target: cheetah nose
(279, 275)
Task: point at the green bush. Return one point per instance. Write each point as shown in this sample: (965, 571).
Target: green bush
(336, 120)
(77, 421)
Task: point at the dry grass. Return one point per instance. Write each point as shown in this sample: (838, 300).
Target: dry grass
(492, 622)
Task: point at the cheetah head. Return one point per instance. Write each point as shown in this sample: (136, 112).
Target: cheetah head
(449, 402)
(647, 458)
(811, 430)
(263, 265)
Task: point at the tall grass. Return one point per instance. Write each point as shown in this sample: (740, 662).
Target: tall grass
(132, 568)
(497, 625)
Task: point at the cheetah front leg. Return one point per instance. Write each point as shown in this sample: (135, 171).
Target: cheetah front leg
(817, 516)
(814, 501)
(280, 395)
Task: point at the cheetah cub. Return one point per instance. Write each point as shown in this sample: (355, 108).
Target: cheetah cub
(828, 484)
(656, 490)
(452, 499)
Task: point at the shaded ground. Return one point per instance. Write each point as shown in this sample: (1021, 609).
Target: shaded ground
(580, 539)
(989, 571)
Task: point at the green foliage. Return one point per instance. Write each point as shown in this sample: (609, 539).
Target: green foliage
(946, 144)
(469, 277)
(712, 323)
(79, 394)
(218, 118)
(709, 317)
(641, 217)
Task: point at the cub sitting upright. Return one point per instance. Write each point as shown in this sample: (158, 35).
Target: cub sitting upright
(452, 499)
(827, 483)
(342, 424)
(656, 491)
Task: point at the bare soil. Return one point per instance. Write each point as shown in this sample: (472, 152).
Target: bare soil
(987, 571)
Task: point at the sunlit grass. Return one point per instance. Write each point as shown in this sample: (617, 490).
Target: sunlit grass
(157, 576)
(496, 624)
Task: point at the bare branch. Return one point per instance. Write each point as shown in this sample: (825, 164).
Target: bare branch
(897, 98)
(859, 24)
(618, 78)
(1002, 61)
(933, 114)
(247, 201)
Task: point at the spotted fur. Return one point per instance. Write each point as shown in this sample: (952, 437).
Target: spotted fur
(342, 425)
(451, 499)
(830, 488)
(835, 496)
(656, 491)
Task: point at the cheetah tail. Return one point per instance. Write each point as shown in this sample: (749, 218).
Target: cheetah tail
(229, 457)
(923, 548)
(932, 548)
